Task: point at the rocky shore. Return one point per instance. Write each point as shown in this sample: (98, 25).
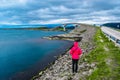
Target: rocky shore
(62, 67)
(73, 35)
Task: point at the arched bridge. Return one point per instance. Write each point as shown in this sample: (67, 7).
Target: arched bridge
(65, 24)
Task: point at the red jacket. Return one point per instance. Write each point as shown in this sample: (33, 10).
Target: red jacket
(75, 51)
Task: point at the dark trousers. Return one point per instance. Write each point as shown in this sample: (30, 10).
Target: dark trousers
(74, 65)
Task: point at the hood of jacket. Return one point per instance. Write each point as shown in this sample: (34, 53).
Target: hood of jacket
(75, 44)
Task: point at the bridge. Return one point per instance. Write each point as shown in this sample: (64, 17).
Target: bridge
(65, 24)
(112, 34)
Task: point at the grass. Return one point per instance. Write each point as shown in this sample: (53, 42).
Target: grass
(107, 58)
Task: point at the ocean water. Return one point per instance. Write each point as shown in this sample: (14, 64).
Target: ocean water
(34, 26)
(23, 53)
(29, 26)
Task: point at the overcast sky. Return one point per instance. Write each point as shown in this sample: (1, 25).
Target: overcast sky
(59, 11)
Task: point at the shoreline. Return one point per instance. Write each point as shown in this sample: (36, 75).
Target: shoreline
(50, 64)
(61, 68)
(42, 64)
(64, 37)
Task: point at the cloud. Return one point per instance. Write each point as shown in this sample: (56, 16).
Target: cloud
(12, 3)
(56, 21)
(59, 11)
(10, 23)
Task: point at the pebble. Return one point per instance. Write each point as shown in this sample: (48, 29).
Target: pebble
(62, 68)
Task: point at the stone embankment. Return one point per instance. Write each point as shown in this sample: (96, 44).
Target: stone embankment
(62, 68)
(73, 35)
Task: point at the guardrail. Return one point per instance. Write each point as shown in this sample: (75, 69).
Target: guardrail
(112, 35)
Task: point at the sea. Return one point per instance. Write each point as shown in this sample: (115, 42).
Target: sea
(24, 53)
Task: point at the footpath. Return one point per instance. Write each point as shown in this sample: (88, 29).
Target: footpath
(62, 67)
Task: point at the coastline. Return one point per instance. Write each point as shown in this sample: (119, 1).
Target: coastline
(42, 71)
(61, 68)
(25, 73)
(44, 63)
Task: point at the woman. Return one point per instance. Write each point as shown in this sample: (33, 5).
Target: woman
(75, 52)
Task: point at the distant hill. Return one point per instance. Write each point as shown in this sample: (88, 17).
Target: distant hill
(112, 25)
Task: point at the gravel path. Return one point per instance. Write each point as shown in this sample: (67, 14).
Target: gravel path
(62, 68)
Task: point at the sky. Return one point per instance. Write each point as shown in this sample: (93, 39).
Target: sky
(59, 11)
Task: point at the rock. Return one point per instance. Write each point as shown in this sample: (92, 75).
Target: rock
(90, 71)
(85, 73)
(62, 68)
(93, 65)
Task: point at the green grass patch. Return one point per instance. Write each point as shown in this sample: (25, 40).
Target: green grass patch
(107, 57)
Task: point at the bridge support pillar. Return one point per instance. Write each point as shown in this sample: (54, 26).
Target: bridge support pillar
(64, 29)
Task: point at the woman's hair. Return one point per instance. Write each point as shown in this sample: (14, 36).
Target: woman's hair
(78, 39)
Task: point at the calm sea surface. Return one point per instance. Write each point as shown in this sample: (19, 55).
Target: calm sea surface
(23, 53)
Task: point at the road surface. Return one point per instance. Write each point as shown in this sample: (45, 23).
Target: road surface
(111, 33)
